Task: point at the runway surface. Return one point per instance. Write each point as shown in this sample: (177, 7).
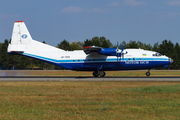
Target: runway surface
(41, 78)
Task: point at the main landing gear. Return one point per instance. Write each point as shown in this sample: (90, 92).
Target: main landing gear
(97, 73)
(148, 73)
(102, 73)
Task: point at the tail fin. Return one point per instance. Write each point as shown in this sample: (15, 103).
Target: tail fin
(22, 42)
(20, 33)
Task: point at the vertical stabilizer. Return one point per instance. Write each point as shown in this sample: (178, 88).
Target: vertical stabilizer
(20, 33)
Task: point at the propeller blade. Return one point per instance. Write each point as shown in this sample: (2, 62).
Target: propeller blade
(117, 51)
(122, 56)
(122, 48)
(120, 53)
(117, 45)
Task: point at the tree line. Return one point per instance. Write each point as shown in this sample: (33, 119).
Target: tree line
(8, 61)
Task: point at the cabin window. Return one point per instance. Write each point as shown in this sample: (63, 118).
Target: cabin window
(88, 59)
(78, 60)
(73, 60)
(83, 60)
(139, 58)
(93, 59)
(133, 58)
(129, 59)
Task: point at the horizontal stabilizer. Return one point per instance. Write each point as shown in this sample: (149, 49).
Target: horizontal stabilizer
(16, 52)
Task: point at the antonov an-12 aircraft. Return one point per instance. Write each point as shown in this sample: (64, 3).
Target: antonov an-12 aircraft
(91, 58)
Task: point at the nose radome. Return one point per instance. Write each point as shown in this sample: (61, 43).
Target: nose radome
(171, 60)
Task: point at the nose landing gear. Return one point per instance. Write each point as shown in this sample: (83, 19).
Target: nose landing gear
(148, 73)
(97, 73)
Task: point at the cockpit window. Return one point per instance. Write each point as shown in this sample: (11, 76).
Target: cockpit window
(157, 54)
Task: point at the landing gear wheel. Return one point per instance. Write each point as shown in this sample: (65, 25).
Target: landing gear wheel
(102, 73)
(95, 73)
(148, 74)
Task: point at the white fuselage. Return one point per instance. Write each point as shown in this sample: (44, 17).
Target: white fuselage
(23, 44)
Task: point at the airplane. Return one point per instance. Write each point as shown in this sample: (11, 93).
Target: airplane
(91, 58)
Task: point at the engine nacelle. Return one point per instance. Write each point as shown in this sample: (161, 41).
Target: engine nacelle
(108, 51)
(105, 51)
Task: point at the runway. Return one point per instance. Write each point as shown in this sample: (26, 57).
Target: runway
(41, 78)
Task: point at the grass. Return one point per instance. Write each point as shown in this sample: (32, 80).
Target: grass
(89, 100)
(158, 89)
(154, 73)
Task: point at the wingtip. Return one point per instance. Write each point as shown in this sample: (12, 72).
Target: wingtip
(18, 21)
(87, 47)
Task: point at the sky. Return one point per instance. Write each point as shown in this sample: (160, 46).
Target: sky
(52, 21)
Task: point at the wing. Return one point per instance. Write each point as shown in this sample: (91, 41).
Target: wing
(90, 49)
(101, 51)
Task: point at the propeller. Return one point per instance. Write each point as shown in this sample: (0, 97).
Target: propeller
(120, 52)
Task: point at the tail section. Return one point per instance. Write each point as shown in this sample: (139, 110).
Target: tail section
(20, 33)
(22, 43)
